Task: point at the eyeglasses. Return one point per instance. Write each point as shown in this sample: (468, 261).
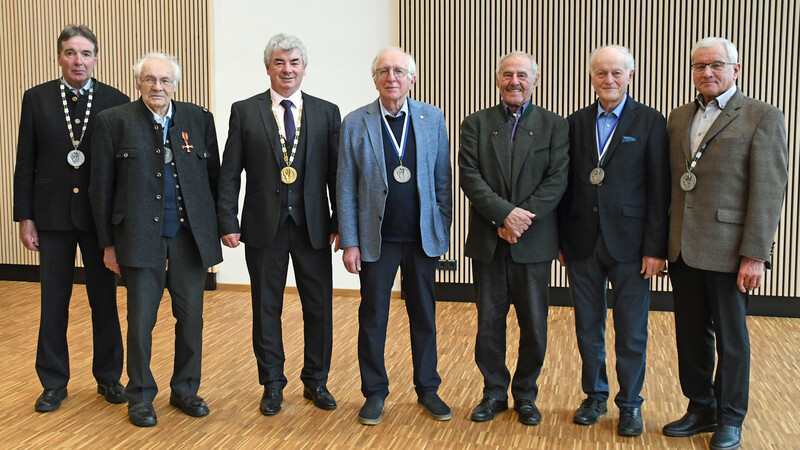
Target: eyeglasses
(716, 66)
(165, 82)
(398, 72)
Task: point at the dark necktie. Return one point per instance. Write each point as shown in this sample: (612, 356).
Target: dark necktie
(512, 123)
(288, 121)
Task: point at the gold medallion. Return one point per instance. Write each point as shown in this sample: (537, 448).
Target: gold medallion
(288, 175)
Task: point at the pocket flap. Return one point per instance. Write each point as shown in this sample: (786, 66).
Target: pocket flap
(731, 215)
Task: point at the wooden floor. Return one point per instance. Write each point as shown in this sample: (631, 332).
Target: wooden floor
(231, 388)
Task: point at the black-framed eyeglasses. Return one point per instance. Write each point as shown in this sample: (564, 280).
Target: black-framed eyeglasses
(716, 66)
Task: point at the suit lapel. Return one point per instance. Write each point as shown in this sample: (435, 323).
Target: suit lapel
(309, 116)
(524, 138)
(726, 116)
(422, 137)
(268, 119)
(625, 121)
(501, 142)
(372, 120)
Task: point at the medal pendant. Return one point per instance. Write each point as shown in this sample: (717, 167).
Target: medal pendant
(75, 158)
(688, 181)
(596, 176)
(402, 174)
(167, 155)
(288, 175)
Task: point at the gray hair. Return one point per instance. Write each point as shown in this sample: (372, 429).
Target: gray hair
(137, 68)
(534, 66)
(412, 65)
(284, 42)
(711, 41)
(70, 31)
(630, 64)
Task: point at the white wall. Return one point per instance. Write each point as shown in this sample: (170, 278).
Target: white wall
(341, 38)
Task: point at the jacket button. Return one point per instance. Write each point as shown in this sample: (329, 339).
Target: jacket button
(158, 151)
(595, 209)
(125, 155)
(158, 196)
(75, 190)
(158, 174)
(155, 127)
(155, 219)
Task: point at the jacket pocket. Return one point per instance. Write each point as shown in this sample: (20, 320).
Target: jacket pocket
(731, 216)
(634, 211)
(126, 153)
(116, 218)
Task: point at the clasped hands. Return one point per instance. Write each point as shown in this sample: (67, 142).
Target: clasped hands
(516, 223)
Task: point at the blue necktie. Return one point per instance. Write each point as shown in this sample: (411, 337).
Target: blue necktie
(288, 121)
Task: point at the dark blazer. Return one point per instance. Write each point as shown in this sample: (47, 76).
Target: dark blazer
(254, 145)
(43, 181)
(630, 206)
(494, 182)
(127, 186)
(734, 209)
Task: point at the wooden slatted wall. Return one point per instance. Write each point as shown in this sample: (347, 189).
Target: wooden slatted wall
(126, 30)
(457, 42)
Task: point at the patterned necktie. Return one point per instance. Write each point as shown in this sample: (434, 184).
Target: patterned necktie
(288, 121)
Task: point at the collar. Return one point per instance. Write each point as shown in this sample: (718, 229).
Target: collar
(83, 88)
(296, 98)
(520, 110)
(616, 111)
(158, 118)
(385, 112)
(721, 99)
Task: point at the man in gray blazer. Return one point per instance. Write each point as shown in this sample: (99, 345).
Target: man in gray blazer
(513, 165)
(394, 194)
(153, 191)
(729, 163)
(286, 212)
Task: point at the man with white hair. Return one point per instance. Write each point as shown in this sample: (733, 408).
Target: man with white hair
(613, 227)
(513, 164)
(155, 165)
(729, 161)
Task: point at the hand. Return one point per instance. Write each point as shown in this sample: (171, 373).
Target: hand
(110, 259)
(518, 221)
(28, 235)
(334, 240)
(352, 259)
(507, 235)
(561, 259)
(751, 272)
(231, 240)
(652, 266)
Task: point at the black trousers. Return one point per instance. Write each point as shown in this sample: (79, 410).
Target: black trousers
(498, 285)
(709, 305)
(57, 267)
(588, 279)
(184, 277)
(268, 267)
(377, 278)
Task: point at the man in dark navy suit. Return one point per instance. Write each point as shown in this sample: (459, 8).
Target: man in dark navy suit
(51, 204)
(613, 227)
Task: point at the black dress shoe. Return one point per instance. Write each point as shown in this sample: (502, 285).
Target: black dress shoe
(727, 437)
(50, 400)
(590, 410)
(435, 406)
(488, 408)
(114, 392)
(191, 405)
(142, 414)
(320, 396)
(528, 412)
(630, 421)
(271, 401)
(691, 424)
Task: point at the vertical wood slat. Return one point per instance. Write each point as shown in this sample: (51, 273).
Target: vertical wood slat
(125, 30)
(457, 43)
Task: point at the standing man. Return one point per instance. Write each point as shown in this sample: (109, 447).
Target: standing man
(154, 186)
(513, 162)
(286, 140)
(51, 204)
(394, 196)
(613, 227)
(729, 162)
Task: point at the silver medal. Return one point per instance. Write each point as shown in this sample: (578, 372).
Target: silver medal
(402, 174)
(167, 155)
(597, 175)
(688, 181)
(75, 158)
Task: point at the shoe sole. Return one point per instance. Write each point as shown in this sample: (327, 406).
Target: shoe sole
(441, 417)
(188, 413)
(486, 419)
(325, 407)
(732, 447)
(630, 433)
(366, 421)
(269, 413)
(589, 422)
(692, 432)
